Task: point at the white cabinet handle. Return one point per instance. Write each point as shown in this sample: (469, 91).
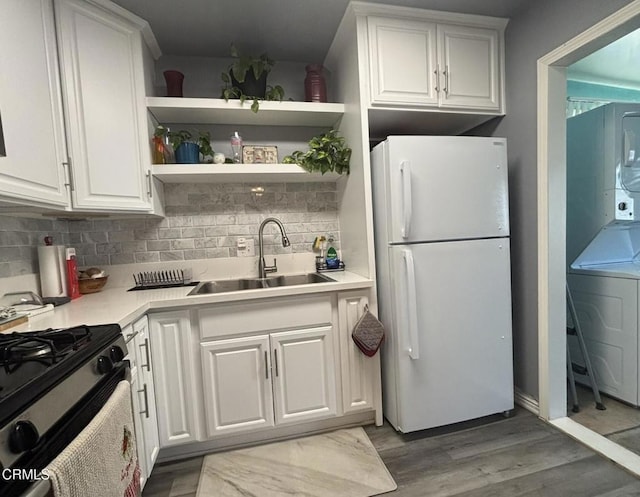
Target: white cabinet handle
(146, 353)
(146, 401)
(412, 305)
(405, 172)
(266, 366)
(446, 79)
(69, 178)
(437, 73)
(149, 184)
(130, 336)
(275, 355)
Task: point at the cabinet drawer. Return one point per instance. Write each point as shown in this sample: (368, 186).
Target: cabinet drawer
(266, 315)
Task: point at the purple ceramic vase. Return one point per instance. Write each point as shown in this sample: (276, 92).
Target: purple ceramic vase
(174, 81)
(315, 87)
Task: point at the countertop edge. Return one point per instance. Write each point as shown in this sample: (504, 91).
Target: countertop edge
(116, 305)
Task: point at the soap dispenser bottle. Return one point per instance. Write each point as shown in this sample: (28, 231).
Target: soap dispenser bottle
(332, 255)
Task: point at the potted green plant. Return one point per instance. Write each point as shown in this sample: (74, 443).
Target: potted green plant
(327, 153)
(246, 78)
(187, 146)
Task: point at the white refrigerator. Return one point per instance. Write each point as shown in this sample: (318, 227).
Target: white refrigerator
(443, 276)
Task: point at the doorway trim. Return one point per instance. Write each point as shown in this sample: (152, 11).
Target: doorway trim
(551, 162)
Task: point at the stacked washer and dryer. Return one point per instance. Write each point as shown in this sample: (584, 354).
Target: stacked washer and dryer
(603, 242)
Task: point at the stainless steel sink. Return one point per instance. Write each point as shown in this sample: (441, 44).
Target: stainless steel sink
(221, 286)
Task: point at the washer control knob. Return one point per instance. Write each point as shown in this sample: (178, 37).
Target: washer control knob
(622, 206)
(23, 436)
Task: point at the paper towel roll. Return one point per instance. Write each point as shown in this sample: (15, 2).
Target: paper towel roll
(53, 276)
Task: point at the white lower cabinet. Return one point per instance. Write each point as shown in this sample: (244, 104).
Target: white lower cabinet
(304, 380)
(237, 384)
(266, 380)
(175, 382)
(231, 369)
(358, 370)
(143, 397)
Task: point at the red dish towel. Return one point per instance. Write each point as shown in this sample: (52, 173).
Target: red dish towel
(368, 333)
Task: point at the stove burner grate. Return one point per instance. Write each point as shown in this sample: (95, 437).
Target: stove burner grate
(46, 347)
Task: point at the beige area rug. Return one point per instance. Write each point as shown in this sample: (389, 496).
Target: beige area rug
(342, 463)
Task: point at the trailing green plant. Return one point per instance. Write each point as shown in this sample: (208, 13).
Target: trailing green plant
(245, 63)
(327, 153)
(240, 67)
(273, 93)
(177, 138)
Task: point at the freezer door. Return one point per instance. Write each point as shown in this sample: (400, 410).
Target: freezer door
(446, 188)
(452, 333)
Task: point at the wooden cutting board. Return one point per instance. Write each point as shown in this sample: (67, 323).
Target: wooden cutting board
(8, 323)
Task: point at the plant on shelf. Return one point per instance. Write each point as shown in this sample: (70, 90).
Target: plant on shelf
(246, 78)
(186, 145)
(327, 153)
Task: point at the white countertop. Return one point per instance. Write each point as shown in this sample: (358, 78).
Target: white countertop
(116, 305)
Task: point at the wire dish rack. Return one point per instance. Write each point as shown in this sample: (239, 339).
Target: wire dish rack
(149, 280)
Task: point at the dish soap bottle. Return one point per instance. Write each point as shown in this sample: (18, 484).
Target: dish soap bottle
(332, 255)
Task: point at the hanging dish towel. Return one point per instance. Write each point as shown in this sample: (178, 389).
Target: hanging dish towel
(102, 460)
(368, 333)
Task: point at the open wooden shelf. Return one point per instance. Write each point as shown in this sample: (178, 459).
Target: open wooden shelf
(218, 111)
(240, 173)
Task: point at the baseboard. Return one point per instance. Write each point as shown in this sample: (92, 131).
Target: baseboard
(527, 402)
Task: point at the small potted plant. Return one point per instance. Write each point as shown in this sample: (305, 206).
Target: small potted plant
(187, 147)
(327, 153)
(246, 78)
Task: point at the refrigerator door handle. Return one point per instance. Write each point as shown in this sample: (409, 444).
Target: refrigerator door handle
(405, 172)
(412, 307)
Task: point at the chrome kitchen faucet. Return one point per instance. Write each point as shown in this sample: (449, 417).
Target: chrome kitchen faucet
(263, 269)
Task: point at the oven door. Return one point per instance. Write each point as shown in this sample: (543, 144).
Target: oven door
(59, 436)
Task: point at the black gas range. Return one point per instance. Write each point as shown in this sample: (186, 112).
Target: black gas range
(52, 383)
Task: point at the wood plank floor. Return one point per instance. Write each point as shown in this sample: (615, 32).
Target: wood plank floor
(492, 457)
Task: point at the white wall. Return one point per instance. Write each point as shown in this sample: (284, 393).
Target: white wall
(534, 32)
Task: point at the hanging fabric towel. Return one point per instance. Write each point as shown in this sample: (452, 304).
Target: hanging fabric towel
(368, 333)
(102, 460)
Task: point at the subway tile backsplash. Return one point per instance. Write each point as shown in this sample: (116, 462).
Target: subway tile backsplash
(202, 221)
(19, 239)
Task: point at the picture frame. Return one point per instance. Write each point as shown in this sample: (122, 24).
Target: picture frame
(260, 154)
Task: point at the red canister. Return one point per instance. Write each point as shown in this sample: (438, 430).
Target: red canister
(315, 87)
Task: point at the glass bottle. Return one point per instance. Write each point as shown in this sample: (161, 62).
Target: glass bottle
(169, 154)
(158, 150)
(236, 147)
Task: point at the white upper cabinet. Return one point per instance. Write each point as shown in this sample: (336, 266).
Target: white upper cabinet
(403, 61)
(102, 71)
(468, 67)
(430, 63)
(31, 164)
